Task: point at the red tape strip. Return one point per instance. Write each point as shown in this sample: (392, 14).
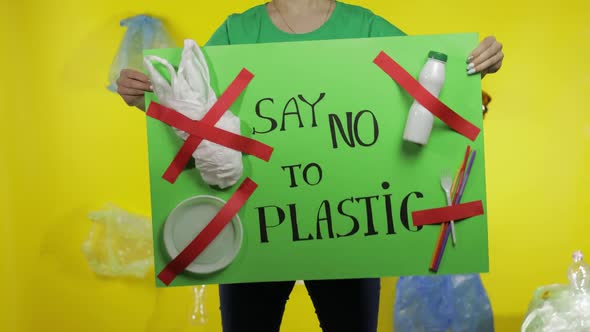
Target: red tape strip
(209, 233)
(226, 99)
(210, 133)
(447, 213)
(424, 97)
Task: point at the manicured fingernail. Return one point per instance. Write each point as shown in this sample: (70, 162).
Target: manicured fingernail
(151, 87)
(469, 58)
(471, 71)
(471, 66)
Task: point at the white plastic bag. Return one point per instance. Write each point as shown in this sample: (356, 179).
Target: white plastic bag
(562, 308)
(189, 93)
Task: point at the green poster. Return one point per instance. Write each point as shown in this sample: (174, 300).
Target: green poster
(337, 196)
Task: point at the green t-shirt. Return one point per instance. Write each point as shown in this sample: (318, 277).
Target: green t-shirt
(346, 21)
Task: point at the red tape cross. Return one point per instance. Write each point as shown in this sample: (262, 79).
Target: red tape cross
(424, 97)
(209, 233)
(447, 213)
(209, 132)
(226, 99)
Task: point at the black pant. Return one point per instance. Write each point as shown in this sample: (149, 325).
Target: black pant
(341, 305)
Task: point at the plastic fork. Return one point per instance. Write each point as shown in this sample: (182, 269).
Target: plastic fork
(446, 182)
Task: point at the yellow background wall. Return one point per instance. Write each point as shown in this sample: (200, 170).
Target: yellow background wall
(68, 146)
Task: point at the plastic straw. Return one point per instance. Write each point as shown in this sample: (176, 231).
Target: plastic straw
(458, 200)
(466, 176)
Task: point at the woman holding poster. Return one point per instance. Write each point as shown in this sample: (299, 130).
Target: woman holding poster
(341, 305)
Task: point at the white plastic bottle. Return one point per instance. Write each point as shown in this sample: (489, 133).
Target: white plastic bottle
(578, 274)
(420, 120)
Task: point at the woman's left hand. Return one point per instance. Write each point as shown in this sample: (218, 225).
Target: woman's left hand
(486, 58)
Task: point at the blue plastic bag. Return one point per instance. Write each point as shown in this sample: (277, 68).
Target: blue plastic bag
(449, 303)
(143, 32)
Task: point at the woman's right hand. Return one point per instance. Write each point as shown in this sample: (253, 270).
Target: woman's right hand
(132, 86)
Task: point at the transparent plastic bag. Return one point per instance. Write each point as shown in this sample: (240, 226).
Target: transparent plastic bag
(199, 314)
(449, 303)
(143, 32)
(178, 309)
(561, 308)
(119, 244)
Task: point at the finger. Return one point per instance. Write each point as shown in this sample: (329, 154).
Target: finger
(485, 44)
(135, 75)
(133, 84)
(487, 53)
(131, 100)
(495, 67)
(488, 65)
(124, 91)
(477, 65)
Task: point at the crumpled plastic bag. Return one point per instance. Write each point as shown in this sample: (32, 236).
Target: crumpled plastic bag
(119, 243)
(455, 303)
(562, 308)
(189, 93)
(179, 309)
(554, 309)
(198, 312)
(143, 32)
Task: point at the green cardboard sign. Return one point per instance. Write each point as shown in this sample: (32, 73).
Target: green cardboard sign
(325, 209)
